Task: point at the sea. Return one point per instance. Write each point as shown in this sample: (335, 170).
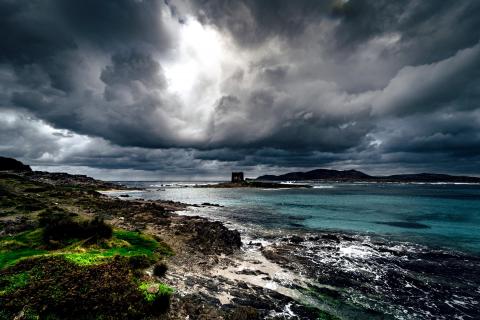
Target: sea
(370, 250)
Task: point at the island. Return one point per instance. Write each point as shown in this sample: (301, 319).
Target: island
(328, 175)
(238, 181)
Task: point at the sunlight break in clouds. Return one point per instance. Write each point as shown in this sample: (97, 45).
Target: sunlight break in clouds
(244, 84)
(195, 70)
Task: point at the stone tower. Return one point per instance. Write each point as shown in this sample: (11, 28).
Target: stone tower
(237, 176)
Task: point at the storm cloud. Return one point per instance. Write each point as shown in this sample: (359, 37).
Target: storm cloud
(195, 88)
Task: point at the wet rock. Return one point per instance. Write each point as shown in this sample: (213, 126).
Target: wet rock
(331, 237)
(251, 272)
(391, 277)
(296, 239)
(244, 313)
(210, 236)
(208, 204)
(293, 239)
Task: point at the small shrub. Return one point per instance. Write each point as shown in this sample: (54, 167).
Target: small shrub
(160, 269)
(157, 295)
(62, 228)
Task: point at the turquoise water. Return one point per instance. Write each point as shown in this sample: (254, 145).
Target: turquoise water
(375, 251)
(437, 215)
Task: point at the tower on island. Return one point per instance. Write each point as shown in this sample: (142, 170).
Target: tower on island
(237, 176)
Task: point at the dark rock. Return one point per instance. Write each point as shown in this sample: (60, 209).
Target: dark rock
(244, 313)
(208, 204)
(251, 272)
(210, 236)
(19, 224)
(296, 239)
(331, 237)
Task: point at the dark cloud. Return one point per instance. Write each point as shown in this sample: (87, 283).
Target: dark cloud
(252, 22)
(119, 23)
(198, 86)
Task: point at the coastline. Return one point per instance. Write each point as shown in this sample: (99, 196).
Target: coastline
(344, 273)
(222, 269)
(198, 245)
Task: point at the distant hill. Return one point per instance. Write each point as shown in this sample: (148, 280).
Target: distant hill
(10, 164)
(356, 176)
(318, 174)
(12, 167)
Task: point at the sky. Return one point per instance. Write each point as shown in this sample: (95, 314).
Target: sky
(193, 89)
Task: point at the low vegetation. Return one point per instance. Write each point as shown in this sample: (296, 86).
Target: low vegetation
(50, 287)
(157, 294)
(45, 271)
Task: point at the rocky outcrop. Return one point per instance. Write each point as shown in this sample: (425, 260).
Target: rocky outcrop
(10, 164)
(77, 180)
(210, 236)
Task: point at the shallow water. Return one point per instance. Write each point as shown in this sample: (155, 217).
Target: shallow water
(369, 251)
(438, 215)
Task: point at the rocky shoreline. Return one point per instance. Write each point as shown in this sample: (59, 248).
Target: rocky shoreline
(203, 250)
(213, 270)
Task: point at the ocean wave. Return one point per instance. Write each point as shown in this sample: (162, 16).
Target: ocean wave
(403, 280)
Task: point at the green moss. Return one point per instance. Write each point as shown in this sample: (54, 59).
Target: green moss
(85, 259)
(14, 281)
(136, 240)
(123, 243)
(141, 244)
(154, 290)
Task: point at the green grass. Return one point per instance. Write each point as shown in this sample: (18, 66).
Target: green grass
(25, 239)
(153, 290)
(9, 258)
(25, 244)
(123, 243)
(139, 243)
(85, 259)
